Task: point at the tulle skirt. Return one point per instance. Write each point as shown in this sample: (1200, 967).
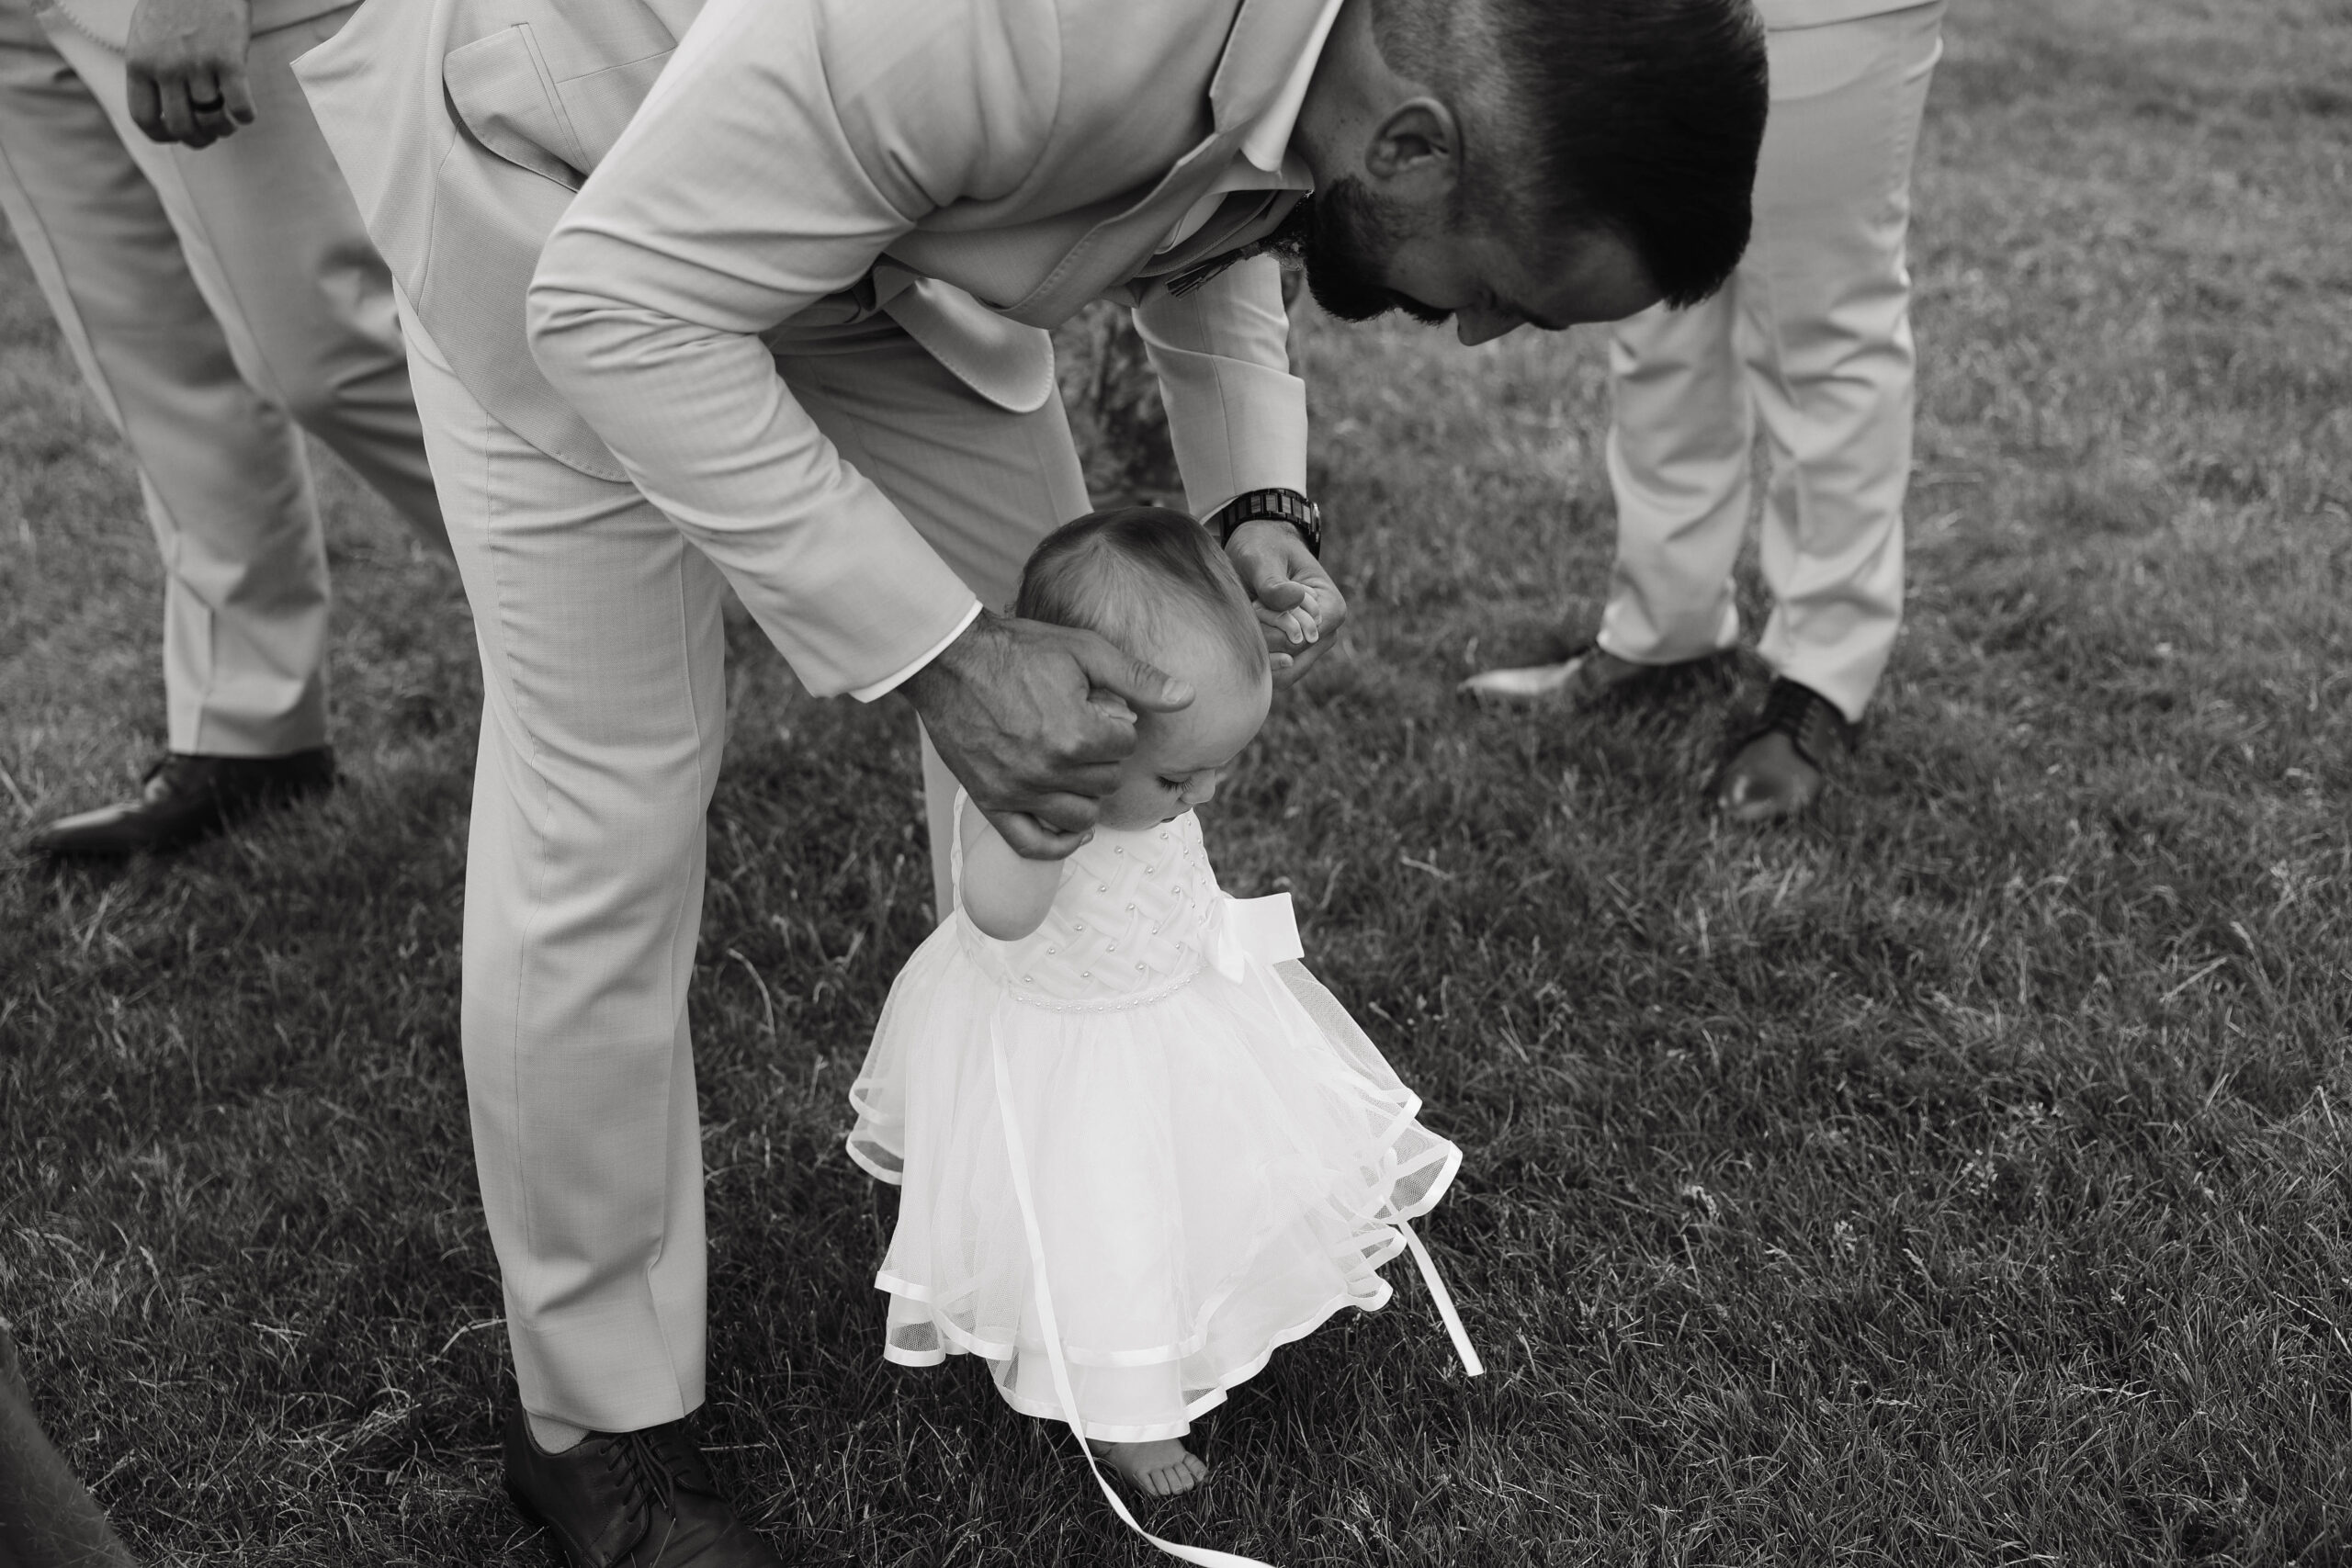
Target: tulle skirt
(1214, 1172)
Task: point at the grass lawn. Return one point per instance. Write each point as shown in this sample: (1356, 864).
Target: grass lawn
(1958, 1176)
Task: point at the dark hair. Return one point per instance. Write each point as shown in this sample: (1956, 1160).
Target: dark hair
(1640, 119)
(1133, 573)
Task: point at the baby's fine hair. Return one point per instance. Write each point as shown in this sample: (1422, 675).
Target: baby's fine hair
(1135, 574)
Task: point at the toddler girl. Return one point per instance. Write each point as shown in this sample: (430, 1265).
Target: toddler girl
(1140, 1146)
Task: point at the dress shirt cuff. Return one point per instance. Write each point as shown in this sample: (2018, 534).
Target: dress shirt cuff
(890, 683)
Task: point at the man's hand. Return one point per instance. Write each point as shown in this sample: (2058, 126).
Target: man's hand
(1013, 708)
(1297, 603)
(186, 69)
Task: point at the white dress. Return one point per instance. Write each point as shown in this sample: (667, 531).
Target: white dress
(1215, 1159)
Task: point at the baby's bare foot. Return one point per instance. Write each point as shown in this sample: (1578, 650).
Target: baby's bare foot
(1162, 1468)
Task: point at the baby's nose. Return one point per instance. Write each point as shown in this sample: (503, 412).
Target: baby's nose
(1201, 791)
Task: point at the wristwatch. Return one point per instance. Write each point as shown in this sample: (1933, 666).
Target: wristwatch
(1280, 505)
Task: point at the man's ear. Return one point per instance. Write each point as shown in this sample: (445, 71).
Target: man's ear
(1415, 151)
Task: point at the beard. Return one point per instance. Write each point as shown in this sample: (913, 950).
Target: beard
(1344, 237)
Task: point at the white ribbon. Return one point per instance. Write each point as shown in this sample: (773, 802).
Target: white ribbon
(1263, 929)
(1266, 929)
(1208, 1557)
(1444, 1298)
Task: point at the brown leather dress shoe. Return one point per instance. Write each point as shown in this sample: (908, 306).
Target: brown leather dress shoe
(629, 1500)
(186, 797)
(1776, 769)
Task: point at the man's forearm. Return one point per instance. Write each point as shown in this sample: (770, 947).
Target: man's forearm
(1235, 415)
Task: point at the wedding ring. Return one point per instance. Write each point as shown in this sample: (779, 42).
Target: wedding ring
(211, 105)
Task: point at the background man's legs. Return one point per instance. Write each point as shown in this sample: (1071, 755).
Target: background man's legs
(1811, 340)
(227, 489)
(275, 241)
(214, 298)
(1825, 295)
(1678, 461)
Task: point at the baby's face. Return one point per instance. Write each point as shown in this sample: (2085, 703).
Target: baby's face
(1180, 757)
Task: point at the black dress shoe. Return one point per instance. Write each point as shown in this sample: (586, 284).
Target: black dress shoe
(185, 797)
(629, 1500)
(1778, 767)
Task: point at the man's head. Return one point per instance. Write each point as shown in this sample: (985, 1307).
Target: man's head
(1550, 162)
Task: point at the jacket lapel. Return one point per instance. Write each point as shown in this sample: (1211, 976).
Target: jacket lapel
(1267, 40)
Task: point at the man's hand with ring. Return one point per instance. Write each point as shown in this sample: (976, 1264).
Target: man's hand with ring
(1034, 720)
(1298, 604)
(186, 70)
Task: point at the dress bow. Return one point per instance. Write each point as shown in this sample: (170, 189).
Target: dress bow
(1263, 929)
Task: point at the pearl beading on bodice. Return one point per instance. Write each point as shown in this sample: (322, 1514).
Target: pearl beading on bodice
(1129, 925)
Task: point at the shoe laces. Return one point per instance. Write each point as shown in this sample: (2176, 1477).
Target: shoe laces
(651, 1465)
(1801, 713)
(636, 1463)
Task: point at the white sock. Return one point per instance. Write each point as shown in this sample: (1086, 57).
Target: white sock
(552, 1435)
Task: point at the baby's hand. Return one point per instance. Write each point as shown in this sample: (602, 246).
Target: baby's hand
(1303, 622)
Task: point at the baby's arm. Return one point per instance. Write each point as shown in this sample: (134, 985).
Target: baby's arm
(1004, 894)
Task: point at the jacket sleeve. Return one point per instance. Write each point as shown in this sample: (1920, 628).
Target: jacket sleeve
(1235, 415)
(784, 147)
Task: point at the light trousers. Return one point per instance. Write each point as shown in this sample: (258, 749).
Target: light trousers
(1811, 342)
(218, 302)
(602, 726)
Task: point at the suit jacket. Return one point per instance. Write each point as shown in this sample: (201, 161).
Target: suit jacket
(680, 190)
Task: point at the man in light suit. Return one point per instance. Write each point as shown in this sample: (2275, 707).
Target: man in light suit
(219, 299)
(784, 273)
(1810, 347)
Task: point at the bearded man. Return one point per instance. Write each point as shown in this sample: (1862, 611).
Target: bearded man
(752, 293)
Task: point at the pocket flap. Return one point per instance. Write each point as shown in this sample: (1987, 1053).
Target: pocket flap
(503, 93)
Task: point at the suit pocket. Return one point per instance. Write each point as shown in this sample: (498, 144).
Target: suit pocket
(504, 94)
(598, 106)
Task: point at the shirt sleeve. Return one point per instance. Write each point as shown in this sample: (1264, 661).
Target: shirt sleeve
(787, 143)
(898, 677)
(1235, 415)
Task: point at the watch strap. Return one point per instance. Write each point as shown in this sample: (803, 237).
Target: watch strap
(1275, 505)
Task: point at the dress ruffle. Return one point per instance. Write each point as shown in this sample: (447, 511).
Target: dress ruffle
(1217, 1171)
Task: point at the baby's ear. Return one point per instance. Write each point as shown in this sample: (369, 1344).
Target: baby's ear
(1111, 705)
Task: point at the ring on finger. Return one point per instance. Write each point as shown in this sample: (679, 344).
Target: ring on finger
(210, 105)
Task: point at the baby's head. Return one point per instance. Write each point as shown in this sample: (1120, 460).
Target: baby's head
(1152, 581)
